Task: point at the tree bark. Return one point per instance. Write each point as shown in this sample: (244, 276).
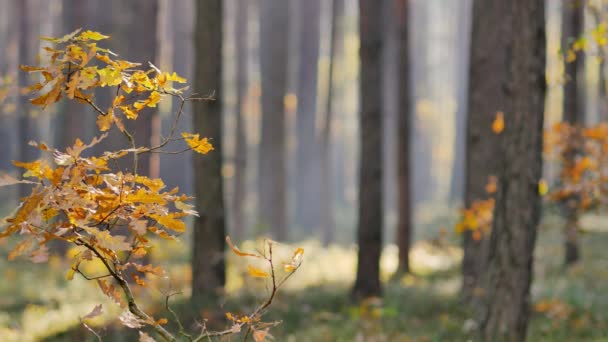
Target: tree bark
(307, 149)
(240, 153)
(25, 124)
(272, 197)
(518, 203)
(327, 190)
(370, 213)
(404, 193)
(139, 46)
(573, 13)
(208, 258)
(486, 97)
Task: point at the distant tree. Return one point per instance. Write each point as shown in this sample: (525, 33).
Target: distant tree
(240, 153)
(327, 186)
(74, 121)
(272, 199)
(25, 125)
(307, 149)
(370, 212)
(404, 118)
(140, 44)
(208, 259)
(573, 13)
(518, 204)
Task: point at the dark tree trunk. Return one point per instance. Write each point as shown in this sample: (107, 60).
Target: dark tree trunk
(486, 97)
(573, 13)
(327, 193)
(518, 204)
(404, 223)
(370, 214)
(208, 264)
(272, 198)
(240, 153)
(307, 161)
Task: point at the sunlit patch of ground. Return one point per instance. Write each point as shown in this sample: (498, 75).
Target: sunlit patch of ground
(37, 302)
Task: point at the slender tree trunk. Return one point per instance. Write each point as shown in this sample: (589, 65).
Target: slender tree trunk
(573, 13)
(307, 161)
(26, 125)
(208, 259)
(272, 197)
(518, 204)
(404, 223)
(77, 121)
(462, 48)
(327, 197)
(240, 154)
(140, 46)
(370, 214)
(486, 97)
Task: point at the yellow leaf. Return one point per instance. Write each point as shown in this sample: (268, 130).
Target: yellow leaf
(104, 122)
(201, 146)
(109, 76)
(175, 77)
(236, 250)
(170, 221)
(289, 267)
(499, 123)
(92, 35)
(256, 272)
(543, 187)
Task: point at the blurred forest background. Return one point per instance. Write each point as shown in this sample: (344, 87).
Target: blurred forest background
(293, 144)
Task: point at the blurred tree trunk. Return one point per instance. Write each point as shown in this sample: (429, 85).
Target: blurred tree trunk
(240, 154)
(461, 47)
(76, 120)
(404, 193)
(327, 194)
(208, 264)
(139, 45)
(272, 206)
(573, 13)
(26, 125)
(518, 205)
(307, 161)
(370, 214)
(486, 97)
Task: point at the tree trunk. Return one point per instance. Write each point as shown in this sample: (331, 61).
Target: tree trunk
(404, 223)
(139, 46)
(462, 50)
(327, 193)
(370, 214)
(240, 154)
(573, 13)
(26, 126)
(307, 161)
(518, 203)
(272, 198)
(486, 97)
(208, 259)
(77, 120)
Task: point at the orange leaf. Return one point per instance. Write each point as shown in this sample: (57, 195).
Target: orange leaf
(256, 272)
(238, 251)
(499, 123)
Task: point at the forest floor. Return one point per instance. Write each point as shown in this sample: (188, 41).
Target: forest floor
(37, 303)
